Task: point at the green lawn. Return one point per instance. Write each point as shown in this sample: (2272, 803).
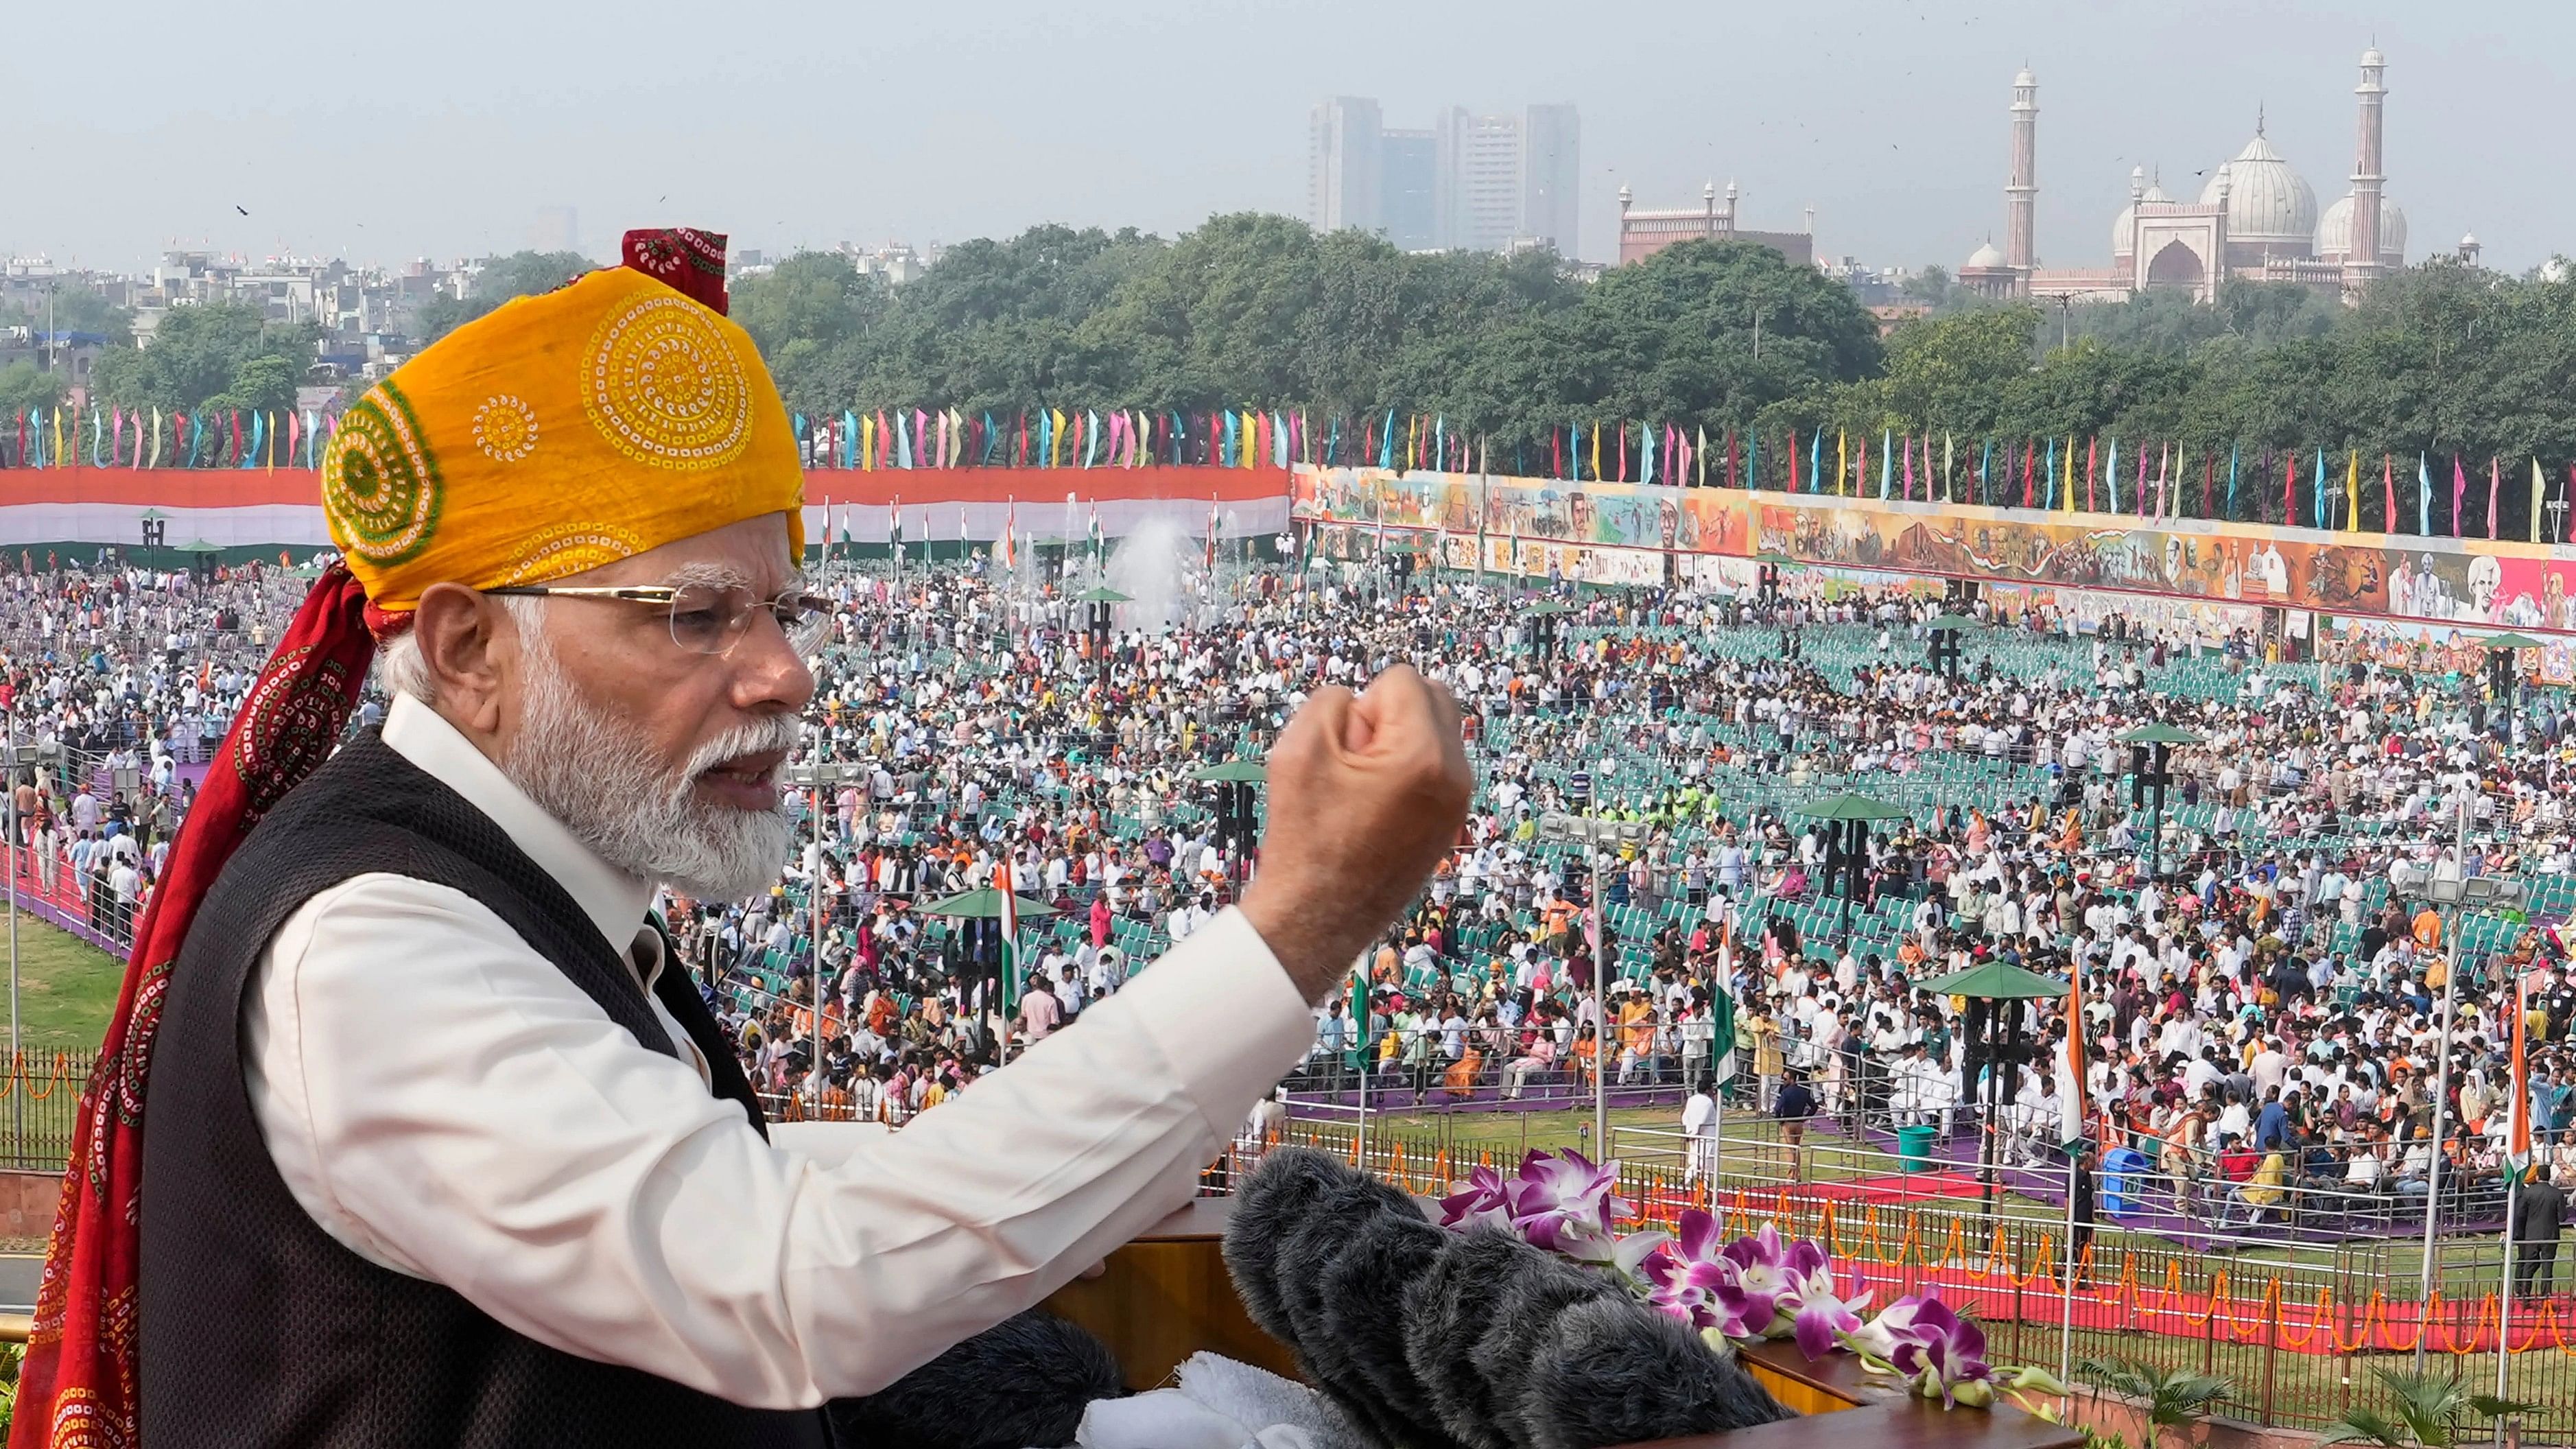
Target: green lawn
(66, 988)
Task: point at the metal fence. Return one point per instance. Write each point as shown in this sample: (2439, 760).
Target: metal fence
(39, 1103)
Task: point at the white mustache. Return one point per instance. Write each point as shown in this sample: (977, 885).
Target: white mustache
(772, 732)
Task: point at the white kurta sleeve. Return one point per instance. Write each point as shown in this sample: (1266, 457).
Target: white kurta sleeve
(446, 1103)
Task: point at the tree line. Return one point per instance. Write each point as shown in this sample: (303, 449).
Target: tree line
(1263, 312)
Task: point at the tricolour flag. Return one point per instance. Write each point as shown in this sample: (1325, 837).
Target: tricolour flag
(1003, 883)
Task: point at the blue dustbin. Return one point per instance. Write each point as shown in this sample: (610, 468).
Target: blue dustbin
(2118, 1166)
(1914, 1147)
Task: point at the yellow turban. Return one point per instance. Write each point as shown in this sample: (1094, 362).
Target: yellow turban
(557, 434)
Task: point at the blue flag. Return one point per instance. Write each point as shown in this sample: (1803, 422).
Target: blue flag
(2113, 474)
(2317, 489)
(2423, 498)
(1816, 461)
(258, 435)
(1386, 442)
(2231, 480)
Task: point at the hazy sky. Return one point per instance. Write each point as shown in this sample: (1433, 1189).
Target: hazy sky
(385, 132)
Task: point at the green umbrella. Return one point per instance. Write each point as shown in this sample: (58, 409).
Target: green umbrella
(1773, 558)
(984, 905)
(1949, 622)
(2513, 641)
(1995, 981)
(1852, 807)
(2160, 733)
(1245, 772)
(1102, 596)
(1549, 606)
(199, 545)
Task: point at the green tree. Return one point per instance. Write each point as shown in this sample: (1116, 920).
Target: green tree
(200, 357)
(1955, 372)
(25, 388)
(520, 274)
(73, 309)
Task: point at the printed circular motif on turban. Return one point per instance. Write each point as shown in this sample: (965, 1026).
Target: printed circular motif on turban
(505, 428)
(665, 388)
(380, 483)
(570, 549)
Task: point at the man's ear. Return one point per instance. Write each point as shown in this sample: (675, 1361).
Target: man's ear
(464, 637)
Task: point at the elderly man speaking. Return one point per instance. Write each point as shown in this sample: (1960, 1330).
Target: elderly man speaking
(439, 1147)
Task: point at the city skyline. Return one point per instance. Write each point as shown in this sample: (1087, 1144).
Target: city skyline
(1887, 121)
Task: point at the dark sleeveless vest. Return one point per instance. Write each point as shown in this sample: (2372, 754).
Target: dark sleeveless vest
(259, 1329)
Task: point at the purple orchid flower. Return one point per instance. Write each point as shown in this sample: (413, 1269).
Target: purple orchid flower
(1566, 1203)
(1483, 1200)
(1878, 1338)
(1683, 1275)
(1944, 1355)
(1754, 1288)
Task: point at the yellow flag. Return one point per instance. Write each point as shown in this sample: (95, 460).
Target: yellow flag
(1056, 438)
(1596, 452)
(868, 442)
(2352, 493)
(2069, 490)
(1842, 460)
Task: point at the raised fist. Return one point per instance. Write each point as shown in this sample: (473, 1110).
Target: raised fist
(1367, 793)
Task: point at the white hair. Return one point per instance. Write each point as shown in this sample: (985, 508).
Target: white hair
(603, 778)
(400, 669)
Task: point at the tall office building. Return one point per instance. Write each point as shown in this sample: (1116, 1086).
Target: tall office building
(556, 229)
(1471, 182)
(1407, 185)
(1552, 177)
(1343, 180)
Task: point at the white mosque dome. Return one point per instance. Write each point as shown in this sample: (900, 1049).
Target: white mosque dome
(2025, 80)
(2334, 232)
(2123, 226)
(1984, 256)
(2554, 270)
(2373, 57)
(2270, 208)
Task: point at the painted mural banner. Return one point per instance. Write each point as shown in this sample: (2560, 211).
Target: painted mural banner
(2475, 583)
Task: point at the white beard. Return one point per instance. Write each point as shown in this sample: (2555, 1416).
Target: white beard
(602, 779)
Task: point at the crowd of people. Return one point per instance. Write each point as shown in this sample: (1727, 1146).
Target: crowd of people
(2259, 1018)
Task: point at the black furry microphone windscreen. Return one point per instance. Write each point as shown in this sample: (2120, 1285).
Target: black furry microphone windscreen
(1021, 1384)
(1436, 1340)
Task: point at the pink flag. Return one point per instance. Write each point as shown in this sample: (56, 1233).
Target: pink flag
(116, 438)
(2459, 491)
(2142, 480)
(2492, 476)
(294, 430)
(1909, 467)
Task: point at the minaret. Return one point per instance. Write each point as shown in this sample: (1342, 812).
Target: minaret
(2361, 258)
(2021, 195)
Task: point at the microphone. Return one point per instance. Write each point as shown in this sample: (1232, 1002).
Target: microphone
(1024, 1381)
(1607, 1371)
(1365, 1288)
(1446, 1313)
